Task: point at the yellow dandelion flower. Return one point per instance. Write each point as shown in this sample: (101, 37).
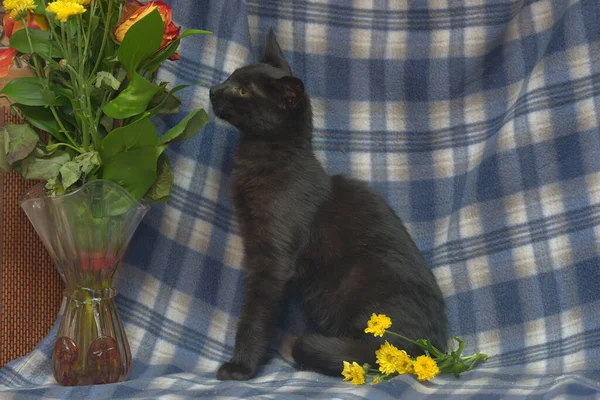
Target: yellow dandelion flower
(18, 8)
(82, 2)
(378, 324)
(353, 373)
(425, 368)
(391, 360)
(64, 9)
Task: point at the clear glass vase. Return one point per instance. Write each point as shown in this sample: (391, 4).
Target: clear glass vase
(87, 233)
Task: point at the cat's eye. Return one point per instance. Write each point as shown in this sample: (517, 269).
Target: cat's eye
(242, 92)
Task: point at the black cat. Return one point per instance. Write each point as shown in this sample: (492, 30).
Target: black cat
(337, 242)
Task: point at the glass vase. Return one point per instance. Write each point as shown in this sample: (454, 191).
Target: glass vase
(86, 232)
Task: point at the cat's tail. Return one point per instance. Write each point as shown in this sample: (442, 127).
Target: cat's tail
(327, 354)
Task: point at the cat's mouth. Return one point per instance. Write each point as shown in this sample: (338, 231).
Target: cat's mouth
(218, 109)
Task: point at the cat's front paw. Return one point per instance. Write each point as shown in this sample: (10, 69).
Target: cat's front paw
(234, 371)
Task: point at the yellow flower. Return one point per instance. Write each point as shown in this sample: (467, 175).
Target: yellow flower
(425, 368)
(65, 9)
(376, 380)
(391, 360)
(82, 2)
(18, 8)
(354, 373)
(378, 324)
(404, 364)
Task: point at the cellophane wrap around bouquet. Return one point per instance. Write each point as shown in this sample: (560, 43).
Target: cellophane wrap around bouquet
(88, 135)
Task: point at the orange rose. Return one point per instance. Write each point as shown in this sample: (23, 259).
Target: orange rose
(133, 11)
(34, 21)
(7, 55)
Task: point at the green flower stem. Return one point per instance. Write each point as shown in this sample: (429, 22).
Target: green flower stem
(52, 29)
(80, 87)
(45, 84)
(86, 88)
(80, 53)
(402, 337)
(55, 146)
(82, 92)
(94, 127)
(104, 39)
(35, 61)
(62, 126)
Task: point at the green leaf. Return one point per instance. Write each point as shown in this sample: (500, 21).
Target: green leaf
(187, 128)
(70, 173)
(461, 345)
(4, 165)
(19, 141)
(136, 135)
(141, 41)
(40, 40)
(134, 170)
(162, 56)
(165, 102)
(108, 79)
(133, 100)
(190, 32)
(44, 168)
(155, 110)
(31, 92)
(171, 48)
(42, 118)
(107, 123)
(39, 7)
(63, 92)
(161, 189)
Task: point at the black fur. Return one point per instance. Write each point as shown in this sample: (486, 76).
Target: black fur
(334, 239)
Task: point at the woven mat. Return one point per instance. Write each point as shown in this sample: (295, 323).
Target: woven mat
(30, 287)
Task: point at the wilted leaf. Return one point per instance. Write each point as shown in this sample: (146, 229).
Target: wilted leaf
(20, 140)
(44, 168)
(70, 173)
(88, 161)
(54, 188)
(108, 79)
(4, 165)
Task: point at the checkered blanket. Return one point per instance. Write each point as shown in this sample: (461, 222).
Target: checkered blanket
(476, 119)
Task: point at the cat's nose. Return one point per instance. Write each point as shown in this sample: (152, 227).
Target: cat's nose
(216, 89)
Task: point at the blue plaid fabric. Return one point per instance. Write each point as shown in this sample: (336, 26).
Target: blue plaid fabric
(476, 119)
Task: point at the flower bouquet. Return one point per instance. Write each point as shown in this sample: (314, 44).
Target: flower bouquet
(393, 361)
(88, 135)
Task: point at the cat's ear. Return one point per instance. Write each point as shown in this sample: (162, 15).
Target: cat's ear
(273, 55)
(292, 91)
